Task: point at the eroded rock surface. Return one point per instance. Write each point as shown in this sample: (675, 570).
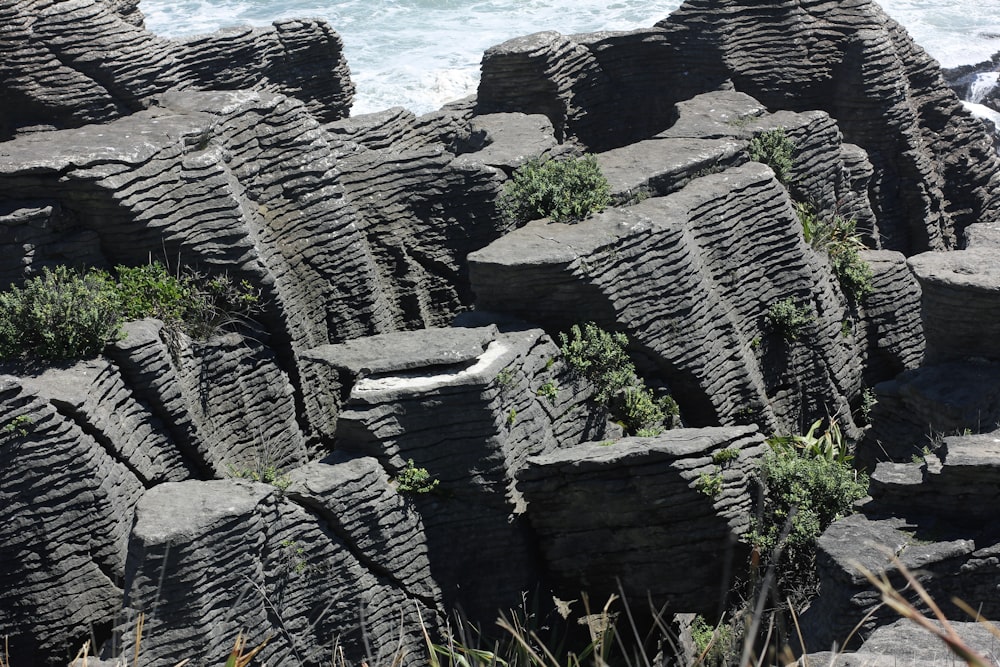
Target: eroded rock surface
(68, 64)
(638, 517)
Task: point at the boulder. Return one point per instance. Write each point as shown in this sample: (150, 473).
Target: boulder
(961, 295)
(639, 517)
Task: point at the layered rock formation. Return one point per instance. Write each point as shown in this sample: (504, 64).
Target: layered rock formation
(66, 64)
(366, 237)
(935, 170)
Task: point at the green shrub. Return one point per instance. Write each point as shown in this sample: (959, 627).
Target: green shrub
(197, 305)
(549, 390)
(788, 319)
(600, 357)
(412, 479)
(64, 314)
(639, 410)
(716, 646)
(61, 314)
(820, 489)
(564, 190)
(710, 484)
(839, 239)
(774, 149)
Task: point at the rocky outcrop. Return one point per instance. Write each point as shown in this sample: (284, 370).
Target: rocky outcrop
(712, 252)
(961, 294)
(67, 64)
(605, 526)
(370, 238)
(935, 170)
(209, 559)
(469, 406)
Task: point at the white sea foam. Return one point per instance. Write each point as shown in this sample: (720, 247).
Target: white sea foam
(423, 53)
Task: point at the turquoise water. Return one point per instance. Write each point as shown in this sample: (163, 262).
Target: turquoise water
(423, 53)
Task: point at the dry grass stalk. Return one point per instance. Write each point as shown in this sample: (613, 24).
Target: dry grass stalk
(895, 600)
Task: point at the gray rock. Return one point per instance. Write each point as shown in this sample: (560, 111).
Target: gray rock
(689, 277)
(611, 89)
(905, 644)
(65, 514)
(921, 405)
(631, 517)
(961, 295)
(91, 61)
(275, 569)
(947, 562)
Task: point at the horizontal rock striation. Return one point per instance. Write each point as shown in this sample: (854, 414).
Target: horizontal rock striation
(935, 169)
(690, 277)
(65, 516)
(67, 64)
(469, 406)
(633, 517)
(961, 295)
(210, 559)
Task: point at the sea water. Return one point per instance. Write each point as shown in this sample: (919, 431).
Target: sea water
(422, 53)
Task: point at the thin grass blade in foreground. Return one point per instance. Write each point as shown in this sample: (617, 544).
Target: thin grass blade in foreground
(895, 600)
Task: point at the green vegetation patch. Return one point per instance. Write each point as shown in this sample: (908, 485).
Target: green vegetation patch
(68, 314)
(564, 190)
(775, 149)
(412, 479)
(808, 483)
(840, 240)
(788, 319)
(600, 357)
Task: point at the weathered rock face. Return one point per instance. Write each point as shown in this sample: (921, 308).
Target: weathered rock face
(367, 236)
(711, 250)
(935, 171)
(605, 526)
(67, 64)
(961, 296)
(116, 429)
(268, 563)
(469, 406)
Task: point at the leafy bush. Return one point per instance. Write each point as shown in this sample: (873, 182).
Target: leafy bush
(412, 479)
(774, 149)
(600, 357)
(61, 314)
(811, 489)
(839, 239)
(65, 314)
(788, 319)
(198, 305)
(564, 190)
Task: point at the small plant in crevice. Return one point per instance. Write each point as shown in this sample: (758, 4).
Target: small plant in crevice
(710, 483)
(267, 473)
(715, 646)
(549, 390)
(563, 190)
(512, 417)
(412, 479)
(600, 357)
(788, 319)
(866, 405)
(19, 425)
(839, 239)
(775, 149)
(725, 456)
